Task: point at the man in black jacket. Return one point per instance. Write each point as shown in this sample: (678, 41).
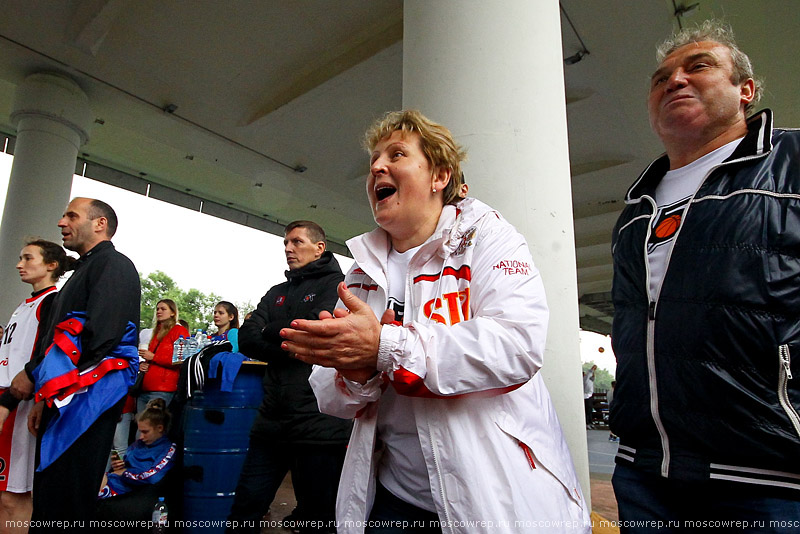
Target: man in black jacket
(707, 300)
(75, 437)
(289, 432)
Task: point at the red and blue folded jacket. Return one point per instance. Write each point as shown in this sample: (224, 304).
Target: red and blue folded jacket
(80, 396)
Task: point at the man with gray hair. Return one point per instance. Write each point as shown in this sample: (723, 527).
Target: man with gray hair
(707, 301)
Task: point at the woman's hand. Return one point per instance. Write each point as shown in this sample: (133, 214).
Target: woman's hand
(144, 366)
(146, 354)
(347, 340)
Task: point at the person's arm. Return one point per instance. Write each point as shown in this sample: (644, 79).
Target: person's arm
(113, 301)
(498, 348)
(9, 401)
(251, 342)
(152, 472)
(340, 397)
(346, 393)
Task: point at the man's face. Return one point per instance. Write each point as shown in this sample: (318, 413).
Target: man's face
(77, 230)
(300, 250)
(691, 93)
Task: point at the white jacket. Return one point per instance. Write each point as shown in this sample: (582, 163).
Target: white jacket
(469, 353)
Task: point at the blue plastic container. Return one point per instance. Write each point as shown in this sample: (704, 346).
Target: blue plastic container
(216, 437)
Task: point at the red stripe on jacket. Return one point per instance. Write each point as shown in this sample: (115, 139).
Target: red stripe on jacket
(462, 273)
(365, 287)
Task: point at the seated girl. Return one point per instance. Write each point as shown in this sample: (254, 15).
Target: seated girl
(148, 459)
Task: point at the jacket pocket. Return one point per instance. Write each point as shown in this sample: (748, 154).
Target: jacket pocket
(784, 375)
(536, 455)
(528, 454)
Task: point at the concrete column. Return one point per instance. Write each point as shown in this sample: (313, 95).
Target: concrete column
(492, 72)
(52, 117)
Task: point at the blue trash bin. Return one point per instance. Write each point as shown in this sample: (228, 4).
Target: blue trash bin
(216, 438)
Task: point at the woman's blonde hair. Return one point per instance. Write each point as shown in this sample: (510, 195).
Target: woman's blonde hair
(162, 329)
(437, 142)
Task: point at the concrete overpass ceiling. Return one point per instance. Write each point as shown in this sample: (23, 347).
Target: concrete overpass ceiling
(256, 91)
(259, 89)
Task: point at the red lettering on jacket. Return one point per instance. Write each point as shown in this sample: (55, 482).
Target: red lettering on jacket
(456, 304)
(513, 267)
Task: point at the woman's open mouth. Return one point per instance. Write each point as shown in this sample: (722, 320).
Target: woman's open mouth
(385, 191)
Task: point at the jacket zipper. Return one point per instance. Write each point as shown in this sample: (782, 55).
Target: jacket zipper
(651, 316)
(784, 375)
(434, 449)
(651, 350)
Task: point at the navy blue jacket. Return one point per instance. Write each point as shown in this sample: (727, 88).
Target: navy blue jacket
(708, 369)
(289, 411)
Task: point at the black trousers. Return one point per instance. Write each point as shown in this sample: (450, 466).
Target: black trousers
(315, 476)
(588, 409)
(67, 490)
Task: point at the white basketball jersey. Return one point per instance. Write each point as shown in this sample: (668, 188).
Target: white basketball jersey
(19, 337)
(17, 445)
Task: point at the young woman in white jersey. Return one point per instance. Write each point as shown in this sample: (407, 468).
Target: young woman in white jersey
(41, 264)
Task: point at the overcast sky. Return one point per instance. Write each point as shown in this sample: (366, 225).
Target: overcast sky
(213, 255)
(196, 250)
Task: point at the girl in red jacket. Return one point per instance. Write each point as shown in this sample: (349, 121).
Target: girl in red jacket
(160, 376)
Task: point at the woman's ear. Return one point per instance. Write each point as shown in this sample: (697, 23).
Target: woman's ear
(441, 178)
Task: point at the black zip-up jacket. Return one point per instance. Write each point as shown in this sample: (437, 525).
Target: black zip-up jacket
(708, 368)
(289, 411)
(106, 286)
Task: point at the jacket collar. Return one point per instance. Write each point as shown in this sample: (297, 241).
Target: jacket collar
(757, 142)
(95, 250)
(326, 264)
(371, 250)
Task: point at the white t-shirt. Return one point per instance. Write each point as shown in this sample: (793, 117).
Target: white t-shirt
(672, 197)
(588, 384)
(402, 468)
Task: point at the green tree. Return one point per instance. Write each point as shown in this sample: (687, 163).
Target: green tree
(194, 306)
(244, 308)
(602, 377)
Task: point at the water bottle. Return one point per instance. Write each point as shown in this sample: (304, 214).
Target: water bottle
(178, 350)
(160, 517)
(191, 347)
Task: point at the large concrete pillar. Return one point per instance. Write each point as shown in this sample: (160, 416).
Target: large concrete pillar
(493, 73)
(52, 117)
